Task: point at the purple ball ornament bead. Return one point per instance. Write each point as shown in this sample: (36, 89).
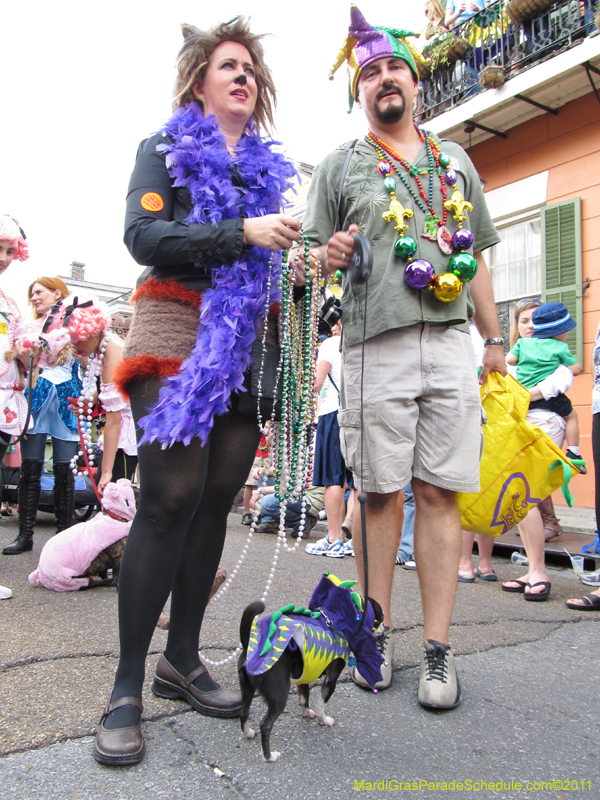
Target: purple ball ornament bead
(384, 168)
(451, 177)
(418, 274)
(462, 239)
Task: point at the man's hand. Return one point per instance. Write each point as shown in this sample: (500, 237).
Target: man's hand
(340, 249)
(273, 232)
(493, 360)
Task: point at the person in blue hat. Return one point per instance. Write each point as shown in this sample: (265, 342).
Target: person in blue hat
(540, 356)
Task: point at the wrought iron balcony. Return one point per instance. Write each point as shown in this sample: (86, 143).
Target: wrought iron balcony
(492, 37)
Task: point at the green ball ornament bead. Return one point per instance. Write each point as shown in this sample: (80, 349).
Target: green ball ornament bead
(405, 247)
(464, 266)
(444, 160)
(390, 184)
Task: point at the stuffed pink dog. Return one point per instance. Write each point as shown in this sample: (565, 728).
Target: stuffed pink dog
(70, 553)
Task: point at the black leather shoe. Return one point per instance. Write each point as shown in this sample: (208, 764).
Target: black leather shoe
(168, 683)
(121, 746)
(29, 494)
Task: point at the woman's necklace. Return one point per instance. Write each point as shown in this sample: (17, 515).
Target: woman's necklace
(91, 372)
(419, 273)
(292, 438)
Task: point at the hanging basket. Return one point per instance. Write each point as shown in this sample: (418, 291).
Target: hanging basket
(424, 70)
(491, 76)
(450, 50)
(522, 10)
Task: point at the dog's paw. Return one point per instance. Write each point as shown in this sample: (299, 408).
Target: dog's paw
(307, 713)
(247, 732)
(275, 756)
(329, 722)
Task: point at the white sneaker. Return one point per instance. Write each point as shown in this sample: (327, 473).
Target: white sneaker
(5, 593)
(385, 645)
(318, 548)
(591, 579)
(409, 564)
(349, 548)
(439, 686)
(335, 550)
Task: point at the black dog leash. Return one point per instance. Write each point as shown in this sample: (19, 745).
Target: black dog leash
(359, 271)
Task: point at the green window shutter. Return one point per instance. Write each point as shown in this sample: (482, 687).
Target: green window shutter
(561, 264)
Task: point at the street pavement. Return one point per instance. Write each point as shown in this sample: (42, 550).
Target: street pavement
(530, 712)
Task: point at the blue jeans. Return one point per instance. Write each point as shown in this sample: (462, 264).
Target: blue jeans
(270, 507)
(406, 551)
(33, 448)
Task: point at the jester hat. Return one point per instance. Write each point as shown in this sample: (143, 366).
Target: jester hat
(365, 43)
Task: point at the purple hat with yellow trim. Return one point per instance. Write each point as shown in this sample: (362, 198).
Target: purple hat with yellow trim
(365, 43)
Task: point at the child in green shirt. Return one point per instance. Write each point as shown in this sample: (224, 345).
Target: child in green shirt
(540, 356)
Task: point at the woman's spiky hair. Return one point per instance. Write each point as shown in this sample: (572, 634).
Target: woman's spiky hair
(197, 48)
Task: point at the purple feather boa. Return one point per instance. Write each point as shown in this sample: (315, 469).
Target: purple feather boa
(231, 310)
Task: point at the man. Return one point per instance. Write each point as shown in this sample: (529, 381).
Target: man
(329, 469)
(420, 406)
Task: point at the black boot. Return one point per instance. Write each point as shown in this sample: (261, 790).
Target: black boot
(29, 495)
(64, 496)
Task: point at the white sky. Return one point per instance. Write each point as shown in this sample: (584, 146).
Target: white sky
(83, 84)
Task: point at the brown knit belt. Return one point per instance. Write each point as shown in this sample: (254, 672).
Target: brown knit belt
(162, 333)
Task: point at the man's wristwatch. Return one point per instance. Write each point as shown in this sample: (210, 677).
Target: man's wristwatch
(494, 340)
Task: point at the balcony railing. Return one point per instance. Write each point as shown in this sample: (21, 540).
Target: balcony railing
(491, 38)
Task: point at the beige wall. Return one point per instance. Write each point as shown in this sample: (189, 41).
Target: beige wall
(568, 146)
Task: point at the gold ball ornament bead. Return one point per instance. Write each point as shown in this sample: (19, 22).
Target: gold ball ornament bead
(446, 287)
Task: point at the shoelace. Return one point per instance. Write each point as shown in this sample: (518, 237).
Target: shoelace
(382, 642)
(437, 665)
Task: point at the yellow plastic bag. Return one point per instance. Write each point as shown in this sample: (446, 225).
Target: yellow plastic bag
(518, 465)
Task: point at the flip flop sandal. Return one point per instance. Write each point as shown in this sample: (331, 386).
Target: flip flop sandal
(464, 579)
(486, 576)
(539, 596)
(520, 589)
(591, 602)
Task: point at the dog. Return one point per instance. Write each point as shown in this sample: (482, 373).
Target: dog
(301, 645)
(73, 558)
(109, 558)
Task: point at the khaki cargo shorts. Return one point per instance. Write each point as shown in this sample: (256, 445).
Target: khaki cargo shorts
(421, 412)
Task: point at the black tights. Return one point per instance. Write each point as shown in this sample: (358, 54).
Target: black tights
(176, 540)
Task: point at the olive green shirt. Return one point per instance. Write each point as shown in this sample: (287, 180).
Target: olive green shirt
(391, 303)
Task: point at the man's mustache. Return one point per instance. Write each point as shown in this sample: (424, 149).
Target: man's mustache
(390, 87)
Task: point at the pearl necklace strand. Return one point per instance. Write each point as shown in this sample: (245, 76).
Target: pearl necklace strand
(10, 329)
(303, 456)
(90, 374)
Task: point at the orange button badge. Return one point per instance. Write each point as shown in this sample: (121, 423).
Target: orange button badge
(152, 202)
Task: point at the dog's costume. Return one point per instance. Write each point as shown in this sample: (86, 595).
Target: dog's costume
(70, 552)
(328, 629)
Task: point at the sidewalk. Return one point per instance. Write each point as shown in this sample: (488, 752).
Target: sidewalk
(528, 711)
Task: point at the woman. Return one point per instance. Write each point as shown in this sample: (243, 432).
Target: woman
(102, 352)
(535, 584)
(202, 215)
(14, 410)
(435, 14)
(53, 417)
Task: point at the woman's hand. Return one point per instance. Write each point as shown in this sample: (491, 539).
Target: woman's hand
(105, 479)
(24, 347)
(273, 232)
(87, 406)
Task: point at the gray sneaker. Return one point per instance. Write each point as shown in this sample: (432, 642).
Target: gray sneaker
(439, 686)
(385, 645)
(591, 579)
